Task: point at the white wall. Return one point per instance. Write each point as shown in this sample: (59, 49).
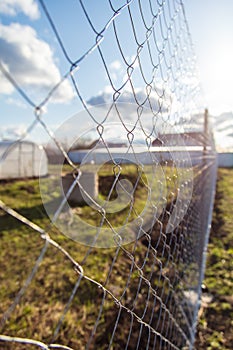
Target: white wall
(184, 156)
(225, 160)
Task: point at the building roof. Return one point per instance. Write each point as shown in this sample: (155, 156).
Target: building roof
(193, 138)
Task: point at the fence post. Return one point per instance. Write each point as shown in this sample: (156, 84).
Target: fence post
(206, 131)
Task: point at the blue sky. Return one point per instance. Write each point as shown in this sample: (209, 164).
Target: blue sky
(211, 26)
(32, 55)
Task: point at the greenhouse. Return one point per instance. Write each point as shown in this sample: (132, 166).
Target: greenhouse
(22, 159)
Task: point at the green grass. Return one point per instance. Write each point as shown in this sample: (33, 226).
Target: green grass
(215, 329)
(44, 300)
(161, 183)
(42, 304)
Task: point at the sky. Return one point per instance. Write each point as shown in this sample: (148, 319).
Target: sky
(211, 26)
(30, 52)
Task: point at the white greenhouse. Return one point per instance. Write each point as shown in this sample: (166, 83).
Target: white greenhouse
(21, 159)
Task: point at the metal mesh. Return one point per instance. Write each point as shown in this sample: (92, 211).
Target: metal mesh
(122, 266)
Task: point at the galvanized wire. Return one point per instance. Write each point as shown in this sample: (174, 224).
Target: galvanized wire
(156, 302)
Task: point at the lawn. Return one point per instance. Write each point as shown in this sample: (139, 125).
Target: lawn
(45, 281)
(50, 309)
(215, 329)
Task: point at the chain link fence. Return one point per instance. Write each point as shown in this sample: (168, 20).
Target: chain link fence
(108, 250)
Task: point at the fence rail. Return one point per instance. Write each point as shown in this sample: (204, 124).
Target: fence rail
(107, 251)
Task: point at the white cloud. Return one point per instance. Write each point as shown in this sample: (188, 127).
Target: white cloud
(133, 61)
(31, 63)
(118, 70)
(5, 87)
(16, 102)
(115, 65)
(115, 69)
(159, 103)
(163, 103)
(223, 130)
(13, 7)
(13, 131)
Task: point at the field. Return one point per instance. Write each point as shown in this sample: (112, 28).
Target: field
(215, 329)
(47, 306)
(46, 296)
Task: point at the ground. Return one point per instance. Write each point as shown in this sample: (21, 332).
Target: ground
(42, 302)
(215, 328)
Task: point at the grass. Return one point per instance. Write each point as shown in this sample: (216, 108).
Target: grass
(122, 205)
(215, 329)
(43, 302)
